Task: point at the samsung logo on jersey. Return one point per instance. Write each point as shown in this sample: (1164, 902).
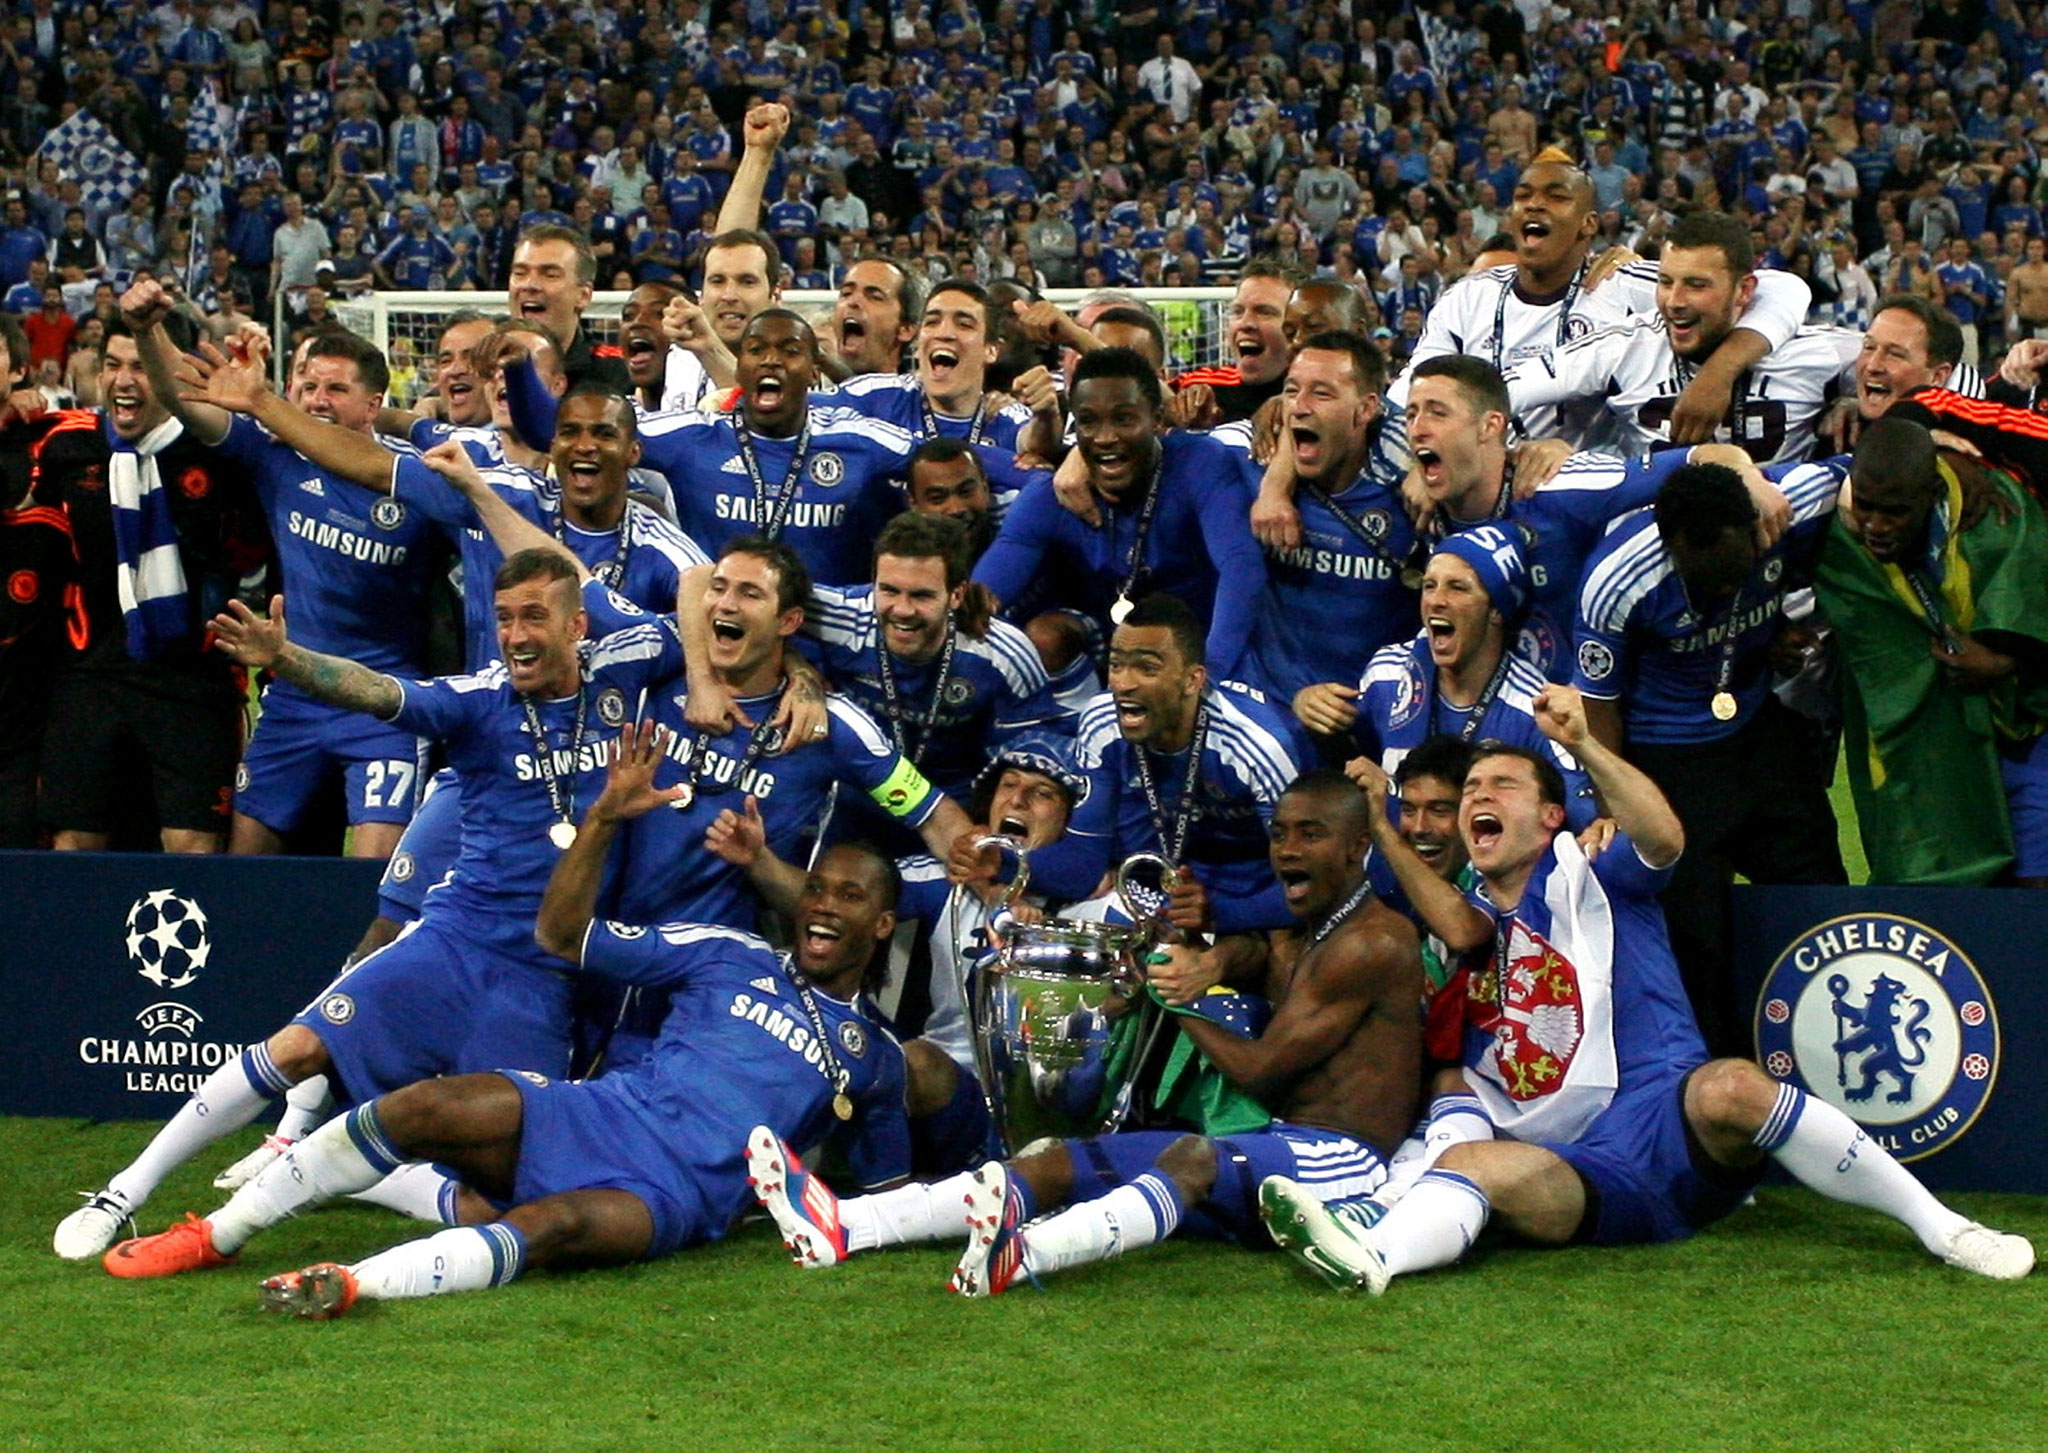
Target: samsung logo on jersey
(794, 1034)
(716, 769)
(590, 759)
(797, 516)
(1750, 620)
(1335, 563)
(344, 542)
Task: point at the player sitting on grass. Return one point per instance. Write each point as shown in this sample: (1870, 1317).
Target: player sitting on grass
(1340, 1063)
(643, 1162)
(1614, 1127)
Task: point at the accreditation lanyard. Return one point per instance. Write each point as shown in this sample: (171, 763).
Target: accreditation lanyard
(1172, 843)
(767, 517)
(1134, 566)
(561, 791)
(1479, 708)
(902, 720)
(1930, 606)
(700, 751)
(1500, 316)
(835, 1072)
(612, 573)
(975, 425)
(1402, 569)
(1343, 911)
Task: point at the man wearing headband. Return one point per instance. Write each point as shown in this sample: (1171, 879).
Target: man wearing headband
(1461, 676)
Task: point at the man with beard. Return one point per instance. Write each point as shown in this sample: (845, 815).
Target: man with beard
(1632, 1134)
(1157, 491)
(817, 478)
(945, 478)
(1637, 371)
(1461, 676)
(1941, 626)
(1525, 312)
(130, 676)
(1339, 1062)
(949, 685)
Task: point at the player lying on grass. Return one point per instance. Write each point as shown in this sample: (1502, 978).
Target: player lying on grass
(641, 1163)
(1340, 1063)
(1613, 1126)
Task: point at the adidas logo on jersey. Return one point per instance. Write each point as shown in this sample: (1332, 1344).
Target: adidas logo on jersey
(313, 486)
(733, 465)
(766, 986)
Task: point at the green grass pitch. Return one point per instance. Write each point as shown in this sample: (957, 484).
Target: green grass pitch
(1794, 1324)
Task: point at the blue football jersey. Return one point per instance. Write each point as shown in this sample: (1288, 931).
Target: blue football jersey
(356, 563)
(899, 399)
(829, 515)
(1640, 641)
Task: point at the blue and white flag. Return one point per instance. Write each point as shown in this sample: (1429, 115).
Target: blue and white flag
(86, 152)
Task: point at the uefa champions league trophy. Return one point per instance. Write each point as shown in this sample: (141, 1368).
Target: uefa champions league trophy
(1053, 1002)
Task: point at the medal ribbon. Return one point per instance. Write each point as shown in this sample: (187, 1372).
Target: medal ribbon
(1170, 845)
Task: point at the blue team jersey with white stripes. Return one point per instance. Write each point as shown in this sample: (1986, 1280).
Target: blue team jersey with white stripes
(505, 857)
(1253, 750)
(995, 687)
(839, 505)
(356, 563)
(899, 399)
(1640, 641)
(1399, 709)
(643, 557)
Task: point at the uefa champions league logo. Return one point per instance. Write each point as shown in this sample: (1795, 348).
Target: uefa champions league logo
(166, 938)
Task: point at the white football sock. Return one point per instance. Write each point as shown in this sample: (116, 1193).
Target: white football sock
(908, 1215)
(1454, 1119)
(422, 1191)
(306, 1107)
(347, 1154)
(466, 1259)
(1830, 1153)
(228, 1099)
(1433, 1224)
(1135, 1214)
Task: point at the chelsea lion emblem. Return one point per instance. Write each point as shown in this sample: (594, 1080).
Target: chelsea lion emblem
(387, 514)
(828, 469)
(1887, 1020)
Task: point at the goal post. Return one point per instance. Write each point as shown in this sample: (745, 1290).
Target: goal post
(1196, 320)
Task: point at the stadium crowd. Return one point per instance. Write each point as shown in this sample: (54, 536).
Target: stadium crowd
(1619, 422)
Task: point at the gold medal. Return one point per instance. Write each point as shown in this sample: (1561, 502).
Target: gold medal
(1411, 577)
(1724, 706)
(685, 795)
(1121, 611)
(842, 1106)
(562, 835)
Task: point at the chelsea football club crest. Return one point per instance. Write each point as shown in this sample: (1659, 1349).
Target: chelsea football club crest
(1887, 1020)
(828, 469)
(387, 514)
(852, 1038)
(611, 706)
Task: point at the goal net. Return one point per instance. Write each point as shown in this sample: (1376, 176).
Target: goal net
(1196, 319)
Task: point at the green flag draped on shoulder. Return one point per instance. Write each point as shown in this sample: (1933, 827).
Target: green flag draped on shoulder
(1923, 755)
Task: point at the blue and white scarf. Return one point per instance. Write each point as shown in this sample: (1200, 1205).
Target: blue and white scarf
(148, 573)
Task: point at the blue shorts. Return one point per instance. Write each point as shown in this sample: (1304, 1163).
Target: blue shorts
(959, 1136)
(2026, 802)
(598, 1135)
(1647, 1177)
(443, 998)
(300, 743)
(1329, 1164)
(426, 851)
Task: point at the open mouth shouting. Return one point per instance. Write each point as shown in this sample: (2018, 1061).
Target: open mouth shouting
(645, 355)
(1484, 831)
(1113, 466)
(1534, 231)
(942, 362)
(770, 391)
(1297, 886)
(1133, 717)
(1443, 639)
(127, 405)
(818, 939)
(1308, 449)
(853, 335)
(1431, 465)
(1010, 825)
(1685, 331)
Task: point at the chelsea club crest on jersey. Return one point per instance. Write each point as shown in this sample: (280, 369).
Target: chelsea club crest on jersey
(1887, 1020)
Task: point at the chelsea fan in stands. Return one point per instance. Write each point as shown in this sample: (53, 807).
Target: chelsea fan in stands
(644, 1162)
(464, 988)
(1677, 614)
(1630, 1134)
(358, 563)
(123, 536)
(1167, 527)
(1339, 1061)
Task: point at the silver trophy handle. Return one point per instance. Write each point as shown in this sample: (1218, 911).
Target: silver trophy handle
(1000, 920)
